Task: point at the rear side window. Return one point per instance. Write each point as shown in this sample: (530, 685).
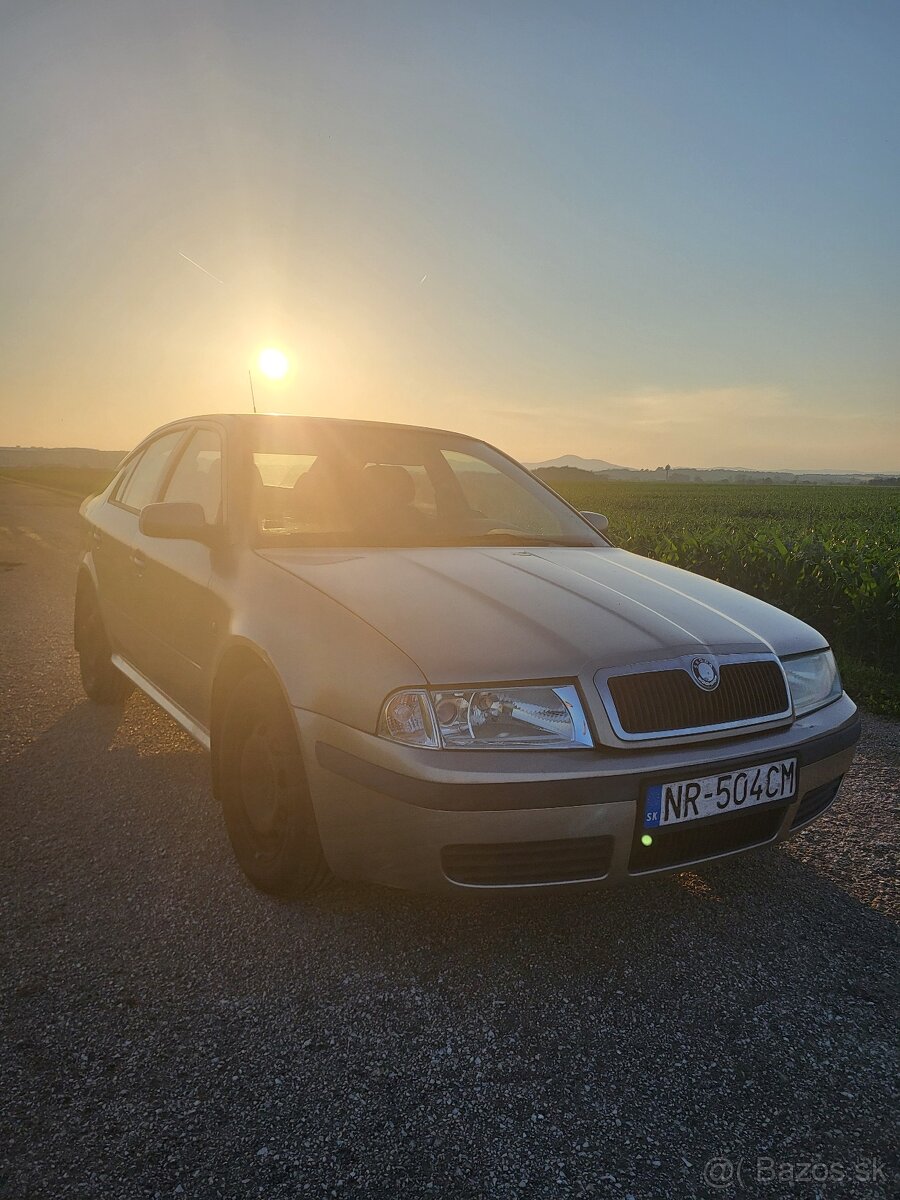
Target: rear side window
(143, 484)
(198, 477)
(124, 475)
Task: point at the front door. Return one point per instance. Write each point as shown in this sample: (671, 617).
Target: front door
(181, 613)
(115, 540)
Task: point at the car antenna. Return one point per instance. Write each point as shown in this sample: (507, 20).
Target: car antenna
(252, 397)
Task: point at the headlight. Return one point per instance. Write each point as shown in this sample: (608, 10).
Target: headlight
(814, 679)
(490, 718)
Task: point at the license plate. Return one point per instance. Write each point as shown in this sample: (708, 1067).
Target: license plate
(712, 795)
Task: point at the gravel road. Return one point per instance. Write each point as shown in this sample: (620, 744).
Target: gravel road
(167, 1031)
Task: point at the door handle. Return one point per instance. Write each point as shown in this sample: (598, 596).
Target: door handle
(95, 537)
(139, 560)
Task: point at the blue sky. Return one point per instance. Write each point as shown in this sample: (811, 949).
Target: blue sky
(645, 232)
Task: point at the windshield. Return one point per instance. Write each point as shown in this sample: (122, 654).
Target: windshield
(358, 485)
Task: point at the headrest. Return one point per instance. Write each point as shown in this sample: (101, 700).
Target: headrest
(315, 493)
(388, 485)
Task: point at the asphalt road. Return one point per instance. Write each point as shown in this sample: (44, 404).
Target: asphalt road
(168, 1031)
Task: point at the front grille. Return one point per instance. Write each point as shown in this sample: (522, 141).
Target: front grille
(503, 864)
(653, 702)
(815, 802)
(684, 844)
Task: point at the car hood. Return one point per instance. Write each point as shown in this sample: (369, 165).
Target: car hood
(472, 614)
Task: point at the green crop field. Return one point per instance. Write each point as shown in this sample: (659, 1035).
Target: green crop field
(829, 555)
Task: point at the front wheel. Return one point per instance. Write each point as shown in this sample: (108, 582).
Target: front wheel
(262, 787)
(101, 681)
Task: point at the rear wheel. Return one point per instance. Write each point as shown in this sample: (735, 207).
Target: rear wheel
(101, 681)
(261, 784)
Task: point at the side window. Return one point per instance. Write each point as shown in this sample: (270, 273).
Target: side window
(198, 477)
(143, 483)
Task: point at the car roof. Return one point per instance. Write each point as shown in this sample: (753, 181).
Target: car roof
(248, 419)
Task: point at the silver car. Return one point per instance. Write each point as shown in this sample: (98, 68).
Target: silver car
(413, 663)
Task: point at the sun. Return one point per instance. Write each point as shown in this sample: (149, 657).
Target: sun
(273, 363)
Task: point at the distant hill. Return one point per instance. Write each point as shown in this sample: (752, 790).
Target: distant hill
(576, 462)
(60, 456)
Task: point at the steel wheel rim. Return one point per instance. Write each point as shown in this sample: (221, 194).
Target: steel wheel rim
(262, 786)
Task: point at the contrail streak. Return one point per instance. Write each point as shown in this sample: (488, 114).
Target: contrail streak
(203, 269)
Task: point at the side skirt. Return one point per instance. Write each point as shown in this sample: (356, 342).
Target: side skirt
(187, 723)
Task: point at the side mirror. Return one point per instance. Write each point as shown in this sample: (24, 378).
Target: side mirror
(175, 520)
(599, 522)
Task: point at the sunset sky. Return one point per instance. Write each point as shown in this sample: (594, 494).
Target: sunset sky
(642, 231)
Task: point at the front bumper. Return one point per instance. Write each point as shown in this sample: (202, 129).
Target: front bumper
(463, 820)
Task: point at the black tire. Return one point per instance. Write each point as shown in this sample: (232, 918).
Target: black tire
(262, 787)
(101, 681)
